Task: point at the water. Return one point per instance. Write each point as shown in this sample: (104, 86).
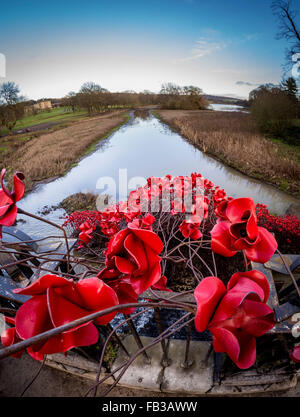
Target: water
(227, 107)
(144, 147)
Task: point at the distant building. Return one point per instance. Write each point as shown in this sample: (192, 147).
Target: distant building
(39, 106)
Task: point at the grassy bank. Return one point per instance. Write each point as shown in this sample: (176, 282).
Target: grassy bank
(52, 154)
(233, 138)
(48, 118)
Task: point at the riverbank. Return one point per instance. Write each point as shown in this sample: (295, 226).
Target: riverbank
(50, 155)
(233, 138)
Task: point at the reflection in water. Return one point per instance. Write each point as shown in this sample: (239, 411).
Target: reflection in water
(145, 147)
(142, 114)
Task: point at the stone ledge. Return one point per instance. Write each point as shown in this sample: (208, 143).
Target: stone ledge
(75, 364)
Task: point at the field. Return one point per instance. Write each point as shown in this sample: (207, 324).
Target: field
(233, 138)
(42, 155)
(48, 117)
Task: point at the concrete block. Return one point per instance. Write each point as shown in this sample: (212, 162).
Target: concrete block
(197, 378)
(140, 374)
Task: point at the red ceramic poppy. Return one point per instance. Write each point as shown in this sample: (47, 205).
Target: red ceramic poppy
(236, 315)
(86, 234)
(239, 231)
(8, 200)
(190, 229)
(56, 301)
(133, 254)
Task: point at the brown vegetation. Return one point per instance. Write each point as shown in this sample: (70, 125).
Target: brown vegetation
(234, 139)
(52, 154)
(79, 202)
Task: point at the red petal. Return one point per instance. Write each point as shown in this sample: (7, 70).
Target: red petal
(246, 285)
(85, 335)
(62, 311)
(10, 216)
(265, 249)
(97, 296)
(241, 351)
(143, 282)
(295, 354)
(149, 238)
(42, 284)
(116, 243)
(207, 294)
(252, 229)
(229, 305)
(221, 239)
(136, 249)
(5, 190)
(196, 235)
(240, 207)
(4, 209)
(123, 265)
(125, 294)
(259, 318)
(107, 273)
(8, 338)
(19, 186)
(225, 341)
(32, 317)
(255, 276)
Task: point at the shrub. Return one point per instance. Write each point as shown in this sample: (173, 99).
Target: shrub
(273, 111)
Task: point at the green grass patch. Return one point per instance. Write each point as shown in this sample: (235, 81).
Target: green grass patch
(47, 116)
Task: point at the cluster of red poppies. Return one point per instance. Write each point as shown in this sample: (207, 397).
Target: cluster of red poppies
(234, 315)
(191, 195)
(286, 228)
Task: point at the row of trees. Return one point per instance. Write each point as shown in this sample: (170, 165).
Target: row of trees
(95, 98)
(189, 97)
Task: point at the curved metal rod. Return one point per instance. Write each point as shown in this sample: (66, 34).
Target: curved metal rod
(24, 344)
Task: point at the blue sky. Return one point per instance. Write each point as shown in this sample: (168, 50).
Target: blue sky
(222, 46)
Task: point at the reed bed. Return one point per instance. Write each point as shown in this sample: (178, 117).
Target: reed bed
(233, 138)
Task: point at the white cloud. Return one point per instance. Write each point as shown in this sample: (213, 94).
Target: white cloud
(204, 46)
(214, 41)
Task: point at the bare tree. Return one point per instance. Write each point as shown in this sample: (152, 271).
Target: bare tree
(9, 93)
(288, 28)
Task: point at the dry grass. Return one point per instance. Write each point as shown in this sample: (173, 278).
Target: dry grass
(79, 202)
(234, 139)
(52, 154)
